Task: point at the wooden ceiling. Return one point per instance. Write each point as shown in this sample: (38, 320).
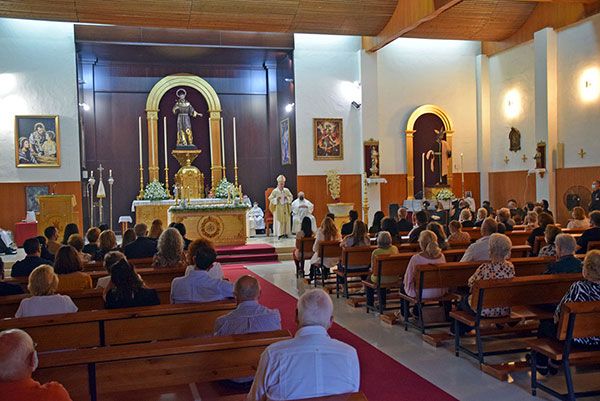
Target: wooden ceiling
(497, 23)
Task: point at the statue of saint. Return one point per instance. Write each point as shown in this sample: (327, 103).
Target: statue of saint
(374, 162)
(443, 154)
(514, 137)
(184, 111)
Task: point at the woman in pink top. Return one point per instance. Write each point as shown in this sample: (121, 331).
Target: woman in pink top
(431, 254)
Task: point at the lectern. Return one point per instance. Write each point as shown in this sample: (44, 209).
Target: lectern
(57, 211)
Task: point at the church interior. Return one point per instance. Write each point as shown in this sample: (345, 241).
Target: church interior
(369, 149)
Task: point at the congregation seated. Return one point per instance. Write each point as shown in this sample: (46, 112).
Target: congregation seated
(156, 229)
(249, 316)
(457, 236)
(504, 217)
(33, 259)
(128, 237)
(304, 232)
(497, 268)
(388, 224)
(18, 360)
(169, 249)
(482, 214)
(584, 290)
(403, 223)
(579, 219)
(420, 221)
(550, 236)
(566, 262)
(543, 220)
(531, 221)
(349, 226)
(359, 237)
(108, 243)
(200, 244)
(479, 250)
(110, 259)
(591, 234)
(516, 213)
(76, 241)
(8, 288)
(70, 229)
(466, 218)
(43, 285)
(143, 246)
(44, 252)
(327, 232)
(376, 226)
(181, 228)
(127, 289)
(431, 254)
(91, 248)
(384, 247)
(440, 233)
(69, 268)
(51, 234)
(311, 364)
(197, 285)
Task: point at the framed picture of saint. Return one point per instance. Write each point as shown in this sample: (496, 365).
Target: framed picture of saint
(284, 133)
(37, 141)
(328, 138)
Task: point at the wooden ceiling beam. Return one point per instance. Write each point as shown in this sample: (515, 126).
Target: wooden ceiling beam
(408, 15)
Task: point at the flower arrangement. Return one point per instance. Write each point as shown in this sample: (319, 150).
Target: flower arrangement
(226, 188)
(444, 194)
(334, 184)
(207, 207)
(155, 191)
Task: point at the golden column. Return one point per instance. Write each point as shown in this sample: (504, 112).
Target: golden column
(152, 120)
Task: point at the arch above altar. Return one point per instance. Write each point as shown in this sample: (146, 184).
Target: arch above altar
(214, 108)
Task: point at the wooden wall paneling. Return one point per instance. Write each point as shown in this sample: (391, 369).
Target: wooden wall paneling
(505, 185)
(569, 177)
(392, 192)
(315, 189)
(13, 204)
(472, 183)
(285, 96)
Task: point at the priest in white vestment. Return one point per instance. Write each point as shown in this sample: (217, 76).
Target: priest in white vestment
(280, 202)
(302, 208)
(256, 219)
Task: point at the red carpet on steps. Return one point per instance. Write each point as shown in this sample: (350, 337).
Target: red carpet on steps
(382, 378)
(252, 253)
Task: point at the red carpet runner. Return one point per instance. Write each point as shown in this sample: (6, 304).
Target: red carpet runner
(382, 378)
(252, 253)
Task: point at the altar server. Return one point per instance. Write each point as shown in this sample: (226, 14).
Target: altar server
(256, 219)
(301, 208)
(280, 202)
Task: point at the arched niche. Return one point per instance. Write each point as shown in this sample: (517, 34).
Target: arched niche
(214, 109)
(410, 132)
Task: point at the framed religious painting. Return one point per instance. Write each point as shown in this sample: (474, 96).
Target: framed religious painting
(284, 134)
(32, 192)
(37, 141)
(328, 139)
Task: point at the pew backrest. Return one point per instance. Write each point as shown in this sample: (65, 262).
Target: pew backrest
(357, 256)
(329, 249)
(579, 320)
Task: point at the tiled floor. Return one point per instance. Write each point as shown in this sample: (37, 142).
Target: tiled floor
(460, 377)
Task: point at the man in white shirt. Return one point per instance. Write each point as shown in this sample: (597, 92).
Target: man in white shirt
(197, 285)
(312, 364)
(302, 207)
(479, 250)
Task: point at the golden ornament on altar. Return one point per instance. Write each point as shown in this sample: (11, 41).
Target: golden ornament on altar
(188, 176)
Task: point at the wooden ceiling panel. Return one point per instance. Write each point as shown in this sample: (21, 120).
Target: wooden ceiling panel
(63, 10)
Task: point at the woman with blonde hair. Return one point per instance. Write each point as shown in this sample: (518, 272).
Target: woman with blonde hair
(169, 249)
(457, 236)
(107, 243)
(579, 220)
(358, 237)
(69, 269)
(439, 232)
(466, 218)
(431, 254)
(43, 283)
(531, 221)
(76, 241)
(482, 214)
(156, 229)
(327, 232)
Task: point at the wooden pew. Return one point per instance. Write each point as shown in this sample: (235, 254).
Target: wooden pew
(85, 300)
(90, 374)
(524, 295)
(577, 320)
(385, 265)
(306, 252)
(327, 249)
(143, 263)
(352, 258)
(120, 326)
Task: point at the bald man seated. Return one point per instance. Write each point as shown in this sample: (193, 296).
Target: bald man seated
(18, 360)
(311, 364)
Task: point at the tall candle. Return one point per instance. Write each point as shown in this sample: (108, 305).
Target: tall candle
(222, 144)
(110, 173)
(234, 144)
(165, 130)
(462, 173)
(423, 172)
(140, 137)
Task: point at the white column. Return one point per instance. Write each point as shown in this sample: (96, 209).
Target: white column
(483, 125)
(546, 109)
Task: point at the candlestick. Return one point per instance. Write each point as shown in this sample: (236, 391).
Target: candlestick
(223, 168)
(91, 182)
(111, 181)
(235, 175)
(141, 194)
(166, 158)
(462, 174)
(423, 174)
(234, 144)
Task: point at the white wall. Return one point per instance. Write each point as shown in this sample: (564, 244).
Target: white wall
(325, 68)
(578, 119)
(38, 76)
(512, 70)
(413, 72)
